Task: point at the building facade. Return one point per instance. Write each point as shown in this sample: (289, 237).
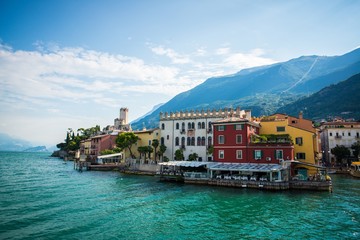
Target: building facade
(237, 140)
(338, 133)
(192, 132)
(101, 143)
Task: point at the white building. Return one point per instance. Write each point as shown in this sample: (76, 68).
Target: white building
(338, 133)
(191, 131)
(122, 123)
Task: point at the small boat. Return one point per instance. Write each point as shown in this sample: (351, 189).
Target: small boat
(355, 169)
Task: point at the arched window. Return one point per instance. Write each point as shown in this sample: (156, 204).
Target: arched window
(199, 125)
(188, 142)
(203, 125)
(209, 141)
(177, 141)
(162, 140)
(177, 125)
(183, 142)
(162, 126)
(198, 141)
(192, 125)
(193, 141)
(189, 125)
(183, 126)
(203, 141)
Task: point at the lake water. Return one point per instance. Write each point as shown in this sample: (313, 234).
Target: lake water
(43, 198)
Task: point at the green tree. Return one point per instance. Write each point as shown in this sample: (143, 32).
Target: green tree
(340, 153)
(162, 150)
(193, 156)
(179, 155)
(356, 149)
(155, 144)
(126, 140)
(142, 151)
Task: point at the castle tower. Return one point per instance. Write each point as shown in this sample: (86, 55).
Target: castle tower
(124, 116)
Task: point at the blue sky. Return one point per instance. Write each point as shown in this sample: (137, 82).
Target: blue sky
(74, 63)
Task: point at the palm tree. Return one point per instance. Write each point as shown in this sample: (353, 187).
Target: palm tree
(155, 144)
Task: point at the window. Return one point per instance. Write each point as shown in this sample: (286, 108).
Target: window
(203, 141)
(162, 141)
(199, 125)
(279, 154)
(238, 154)
(221, 128)
(209, 141)
(189, 126)
(193, 141)
(167, 137)
(343, 134)
(221, 154)
(238, 138)
(192, 125)
(163, 126)
(331, 134)
(221, 139)
(257, 154)
(183, 141)
(149, 143)
(177, 125)
(188, 141)
(349, 134)
(177, 141)
(203, 125)
(300, 155)
(183, 126)
(280, 129)
(210, 126)
(293, 121)
(299, 141)
(199, 141)
(239, 127)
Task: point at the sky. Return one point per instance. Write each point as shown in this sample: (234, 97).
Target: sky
(75, 63)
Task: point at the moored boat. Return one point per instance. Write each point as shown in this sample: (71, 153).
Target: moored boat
(355, 169)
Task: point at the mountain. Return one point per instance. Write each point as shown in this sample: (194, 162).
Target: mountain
(341, 99)
(36, 149)
(262, 89)
(8, 143)
(147, 114)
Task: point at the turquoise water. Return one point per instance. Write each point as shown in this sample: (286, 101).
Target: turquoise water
(43, 198)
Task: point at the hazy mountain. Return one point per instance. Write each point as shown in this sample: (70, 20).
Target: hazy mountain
(341, 99)
(263, 89)
(36, 149)
(8, 143)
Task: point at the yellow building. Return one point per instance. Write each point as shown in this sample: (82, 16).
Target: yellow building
(303, 134)
(146, 138)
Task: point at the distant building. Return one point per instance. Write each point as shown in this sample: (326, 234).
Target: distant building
(191, 131)
(102, 142)
(146, 138)
(338, 133)
(122, 122)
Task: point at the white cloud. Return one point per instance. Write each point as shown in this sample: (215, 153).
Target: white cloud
(62, 83)
(174, 56)
(222, 51)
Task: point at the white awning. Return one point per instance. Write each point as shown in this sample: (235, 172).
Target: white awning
(110, 155)
(184, 163)
(247, 167)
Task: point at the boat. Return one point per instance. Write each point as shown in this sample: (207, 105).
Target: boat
(355, 169)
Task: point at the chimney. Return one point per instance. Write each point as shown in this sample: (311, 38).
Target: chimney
(300, 115)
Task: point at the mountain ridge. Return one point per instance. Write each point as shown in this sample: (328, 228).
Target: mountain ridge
(263, 89)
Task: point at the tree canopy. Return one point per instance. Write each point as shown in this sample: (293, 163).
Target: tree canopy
(125, 140)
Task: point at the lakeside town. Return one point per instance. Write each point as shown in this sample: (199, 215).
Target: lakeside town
(225, 147)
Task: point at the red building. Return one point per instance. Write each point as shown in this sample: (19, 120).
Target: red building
(237, 140)
(101, 143)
